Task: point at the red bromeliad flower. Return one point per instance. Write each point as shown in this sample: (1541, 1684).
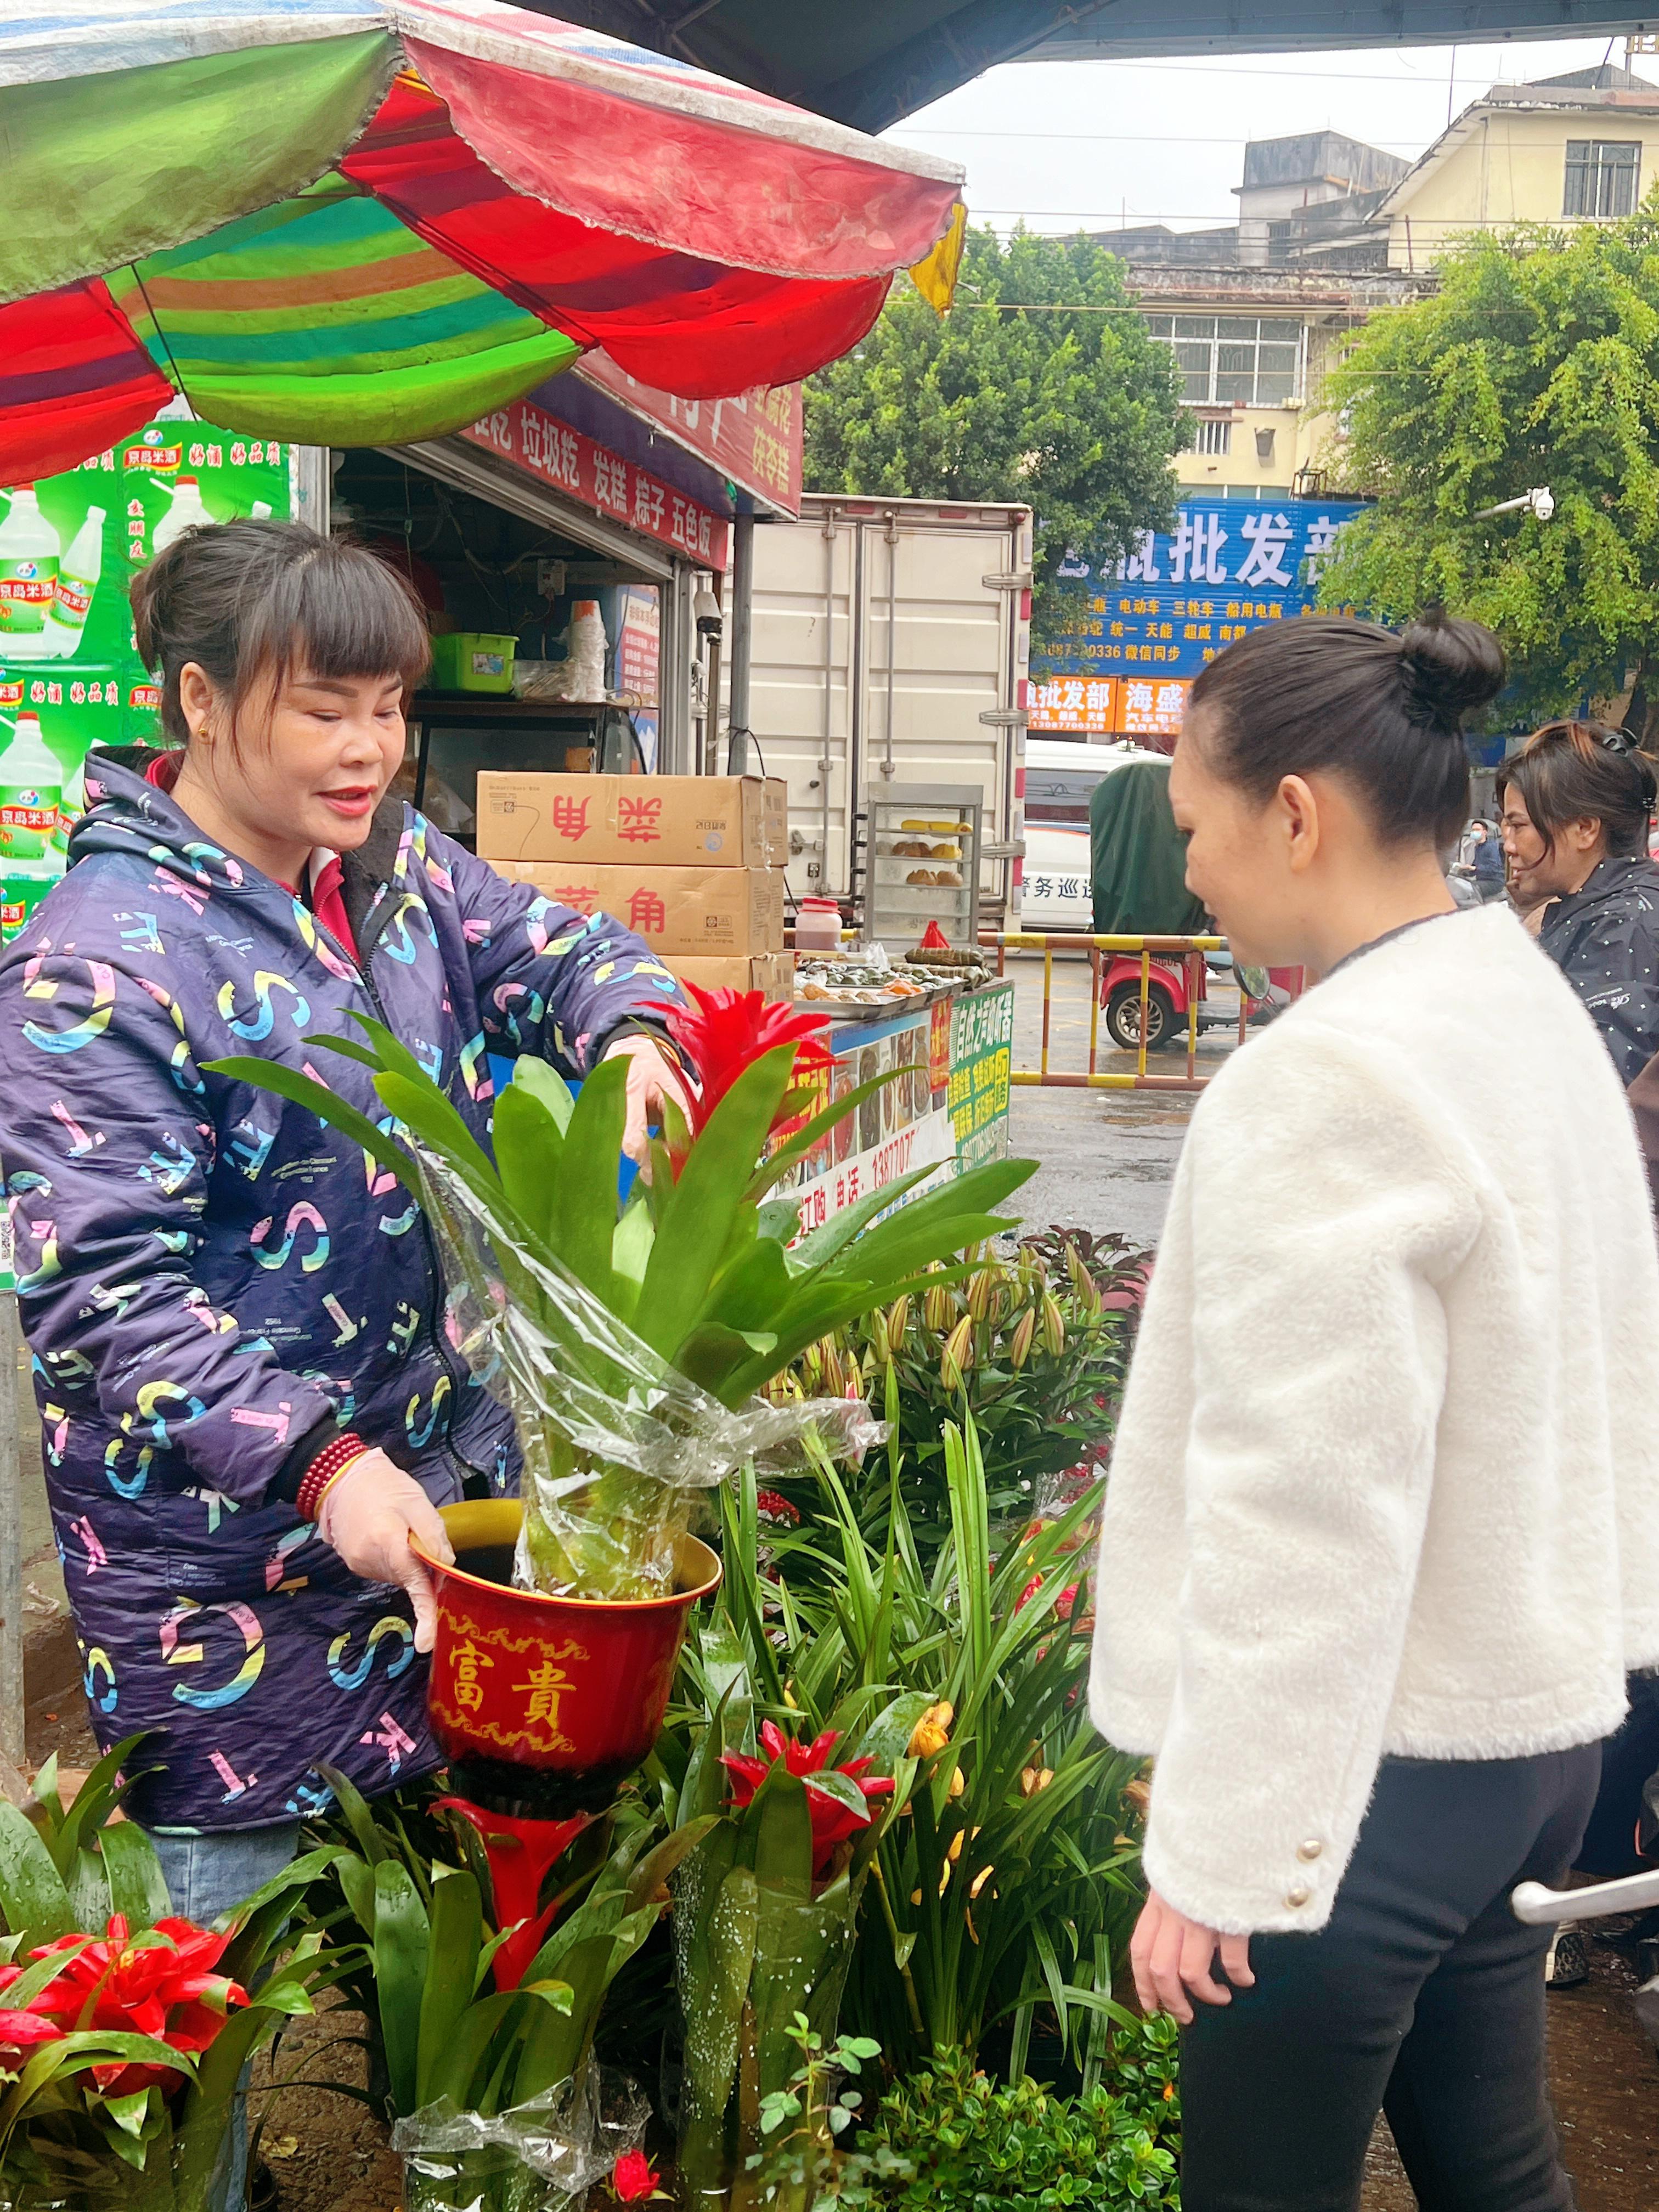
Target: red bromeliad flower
(833, 1821)
(20, 2031)
(727, 1031)
(158, 1983)
(632, 2177)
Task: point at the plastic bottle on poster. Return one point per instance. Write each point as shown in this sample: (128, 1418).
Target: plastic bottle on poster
(29, 552)
(186, 512)
(72, 805)
(31, 789)
(24, 885)
(78, 571)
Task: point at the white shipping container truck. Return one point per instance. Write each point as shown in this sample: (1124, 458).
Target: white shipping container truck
(891, 641)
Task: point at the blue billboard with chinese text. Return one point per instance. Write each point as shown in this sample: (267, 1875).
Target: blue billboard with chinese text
(1178, 599)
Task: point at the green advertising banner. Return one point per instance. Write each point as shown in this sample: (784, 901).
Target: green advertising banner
(71, 677)
(982, 1059)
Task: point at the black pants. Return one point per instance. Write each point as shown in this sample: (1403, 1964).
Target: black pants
(1423, 1997)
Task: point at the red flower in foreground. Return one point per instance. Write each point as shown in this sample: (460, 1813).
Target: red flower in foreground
(19, 2033)
(773, 1505)
(833, 1820)
(160, 1983)
(632, 2177)
(727, 1031)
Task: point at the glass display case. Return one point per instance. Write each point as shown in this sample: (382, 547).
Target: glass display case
(920, 853)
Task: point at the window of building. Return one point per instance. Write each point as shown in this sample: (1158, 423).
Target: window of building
(1255, 360)
(1601, 177)
(1213, 437)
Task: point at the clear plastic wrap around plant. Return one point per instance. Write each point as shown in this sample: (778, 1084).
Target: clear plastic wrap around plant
(616, 1442)
(541, 2156)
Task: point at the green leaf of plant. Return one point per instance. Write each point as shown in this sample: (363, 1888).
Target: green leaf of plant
(896, 1246)
(696, 1222)
(402, 1960)
(137, 1888)
(547, 1085)
(749, 1289)
(529, 1155)
(428, 1114)
(585, 1215)
(457, 1927)
(779, 1822)
(817, 1249)
(33, 1900)
(716, 1981)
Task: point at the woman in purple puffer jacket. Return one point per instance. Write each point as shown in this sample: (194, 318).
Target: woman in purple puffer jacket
(249, 1396)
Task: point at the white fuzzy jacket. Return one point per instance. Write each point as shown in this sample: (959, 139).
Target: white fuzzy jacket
(1387, 1477)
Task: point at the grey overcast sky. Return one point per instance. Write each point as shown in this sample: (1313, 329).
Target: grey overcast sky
(1093, 144)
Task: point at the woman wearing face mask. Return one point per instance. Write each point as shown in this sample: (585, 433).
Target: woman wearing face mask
(1577, 801)
(250, 1400)
(1371, 1619)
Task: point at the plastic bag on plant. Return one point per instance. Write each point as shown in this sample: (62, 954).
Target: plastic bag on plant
(541, 2156)
(616, 1442)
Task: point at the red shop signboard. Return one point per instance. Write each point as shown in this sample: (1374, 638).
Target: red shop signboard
(757, 439)
(541, 446)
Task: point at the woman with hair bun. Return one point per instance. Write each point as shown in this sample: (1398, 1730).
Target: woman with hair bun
(1371, 1613)
(1577, 804)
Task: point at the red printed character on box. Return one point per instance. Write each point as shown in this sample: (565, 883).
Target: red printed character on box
(638, 820)
(570, 818)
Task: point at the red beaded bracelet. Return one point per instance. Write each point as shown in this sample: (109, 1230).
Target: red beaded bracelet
(334, 1459)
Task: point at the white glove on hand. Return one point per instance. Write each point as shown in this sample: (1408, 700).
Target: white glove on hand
(369, 1515)
(652, 1076)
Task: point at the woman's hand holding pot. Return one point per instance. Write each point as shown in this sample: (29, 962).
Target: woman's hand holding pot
(369, 1515)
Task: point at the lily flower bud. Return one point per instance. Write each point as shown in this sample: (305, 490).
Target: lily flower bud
(1052, 1325)
(1019, 1349)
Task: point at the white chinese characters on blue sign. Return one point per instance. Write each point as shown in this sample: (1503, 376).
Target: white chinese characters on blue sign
(1178, 599)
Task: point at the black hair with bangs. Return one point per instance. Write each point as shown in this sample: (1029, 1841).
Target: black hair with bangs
(253, 602)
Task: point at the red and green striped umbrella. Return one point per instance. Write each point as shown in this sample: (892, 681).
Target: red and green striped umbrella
(362, 221)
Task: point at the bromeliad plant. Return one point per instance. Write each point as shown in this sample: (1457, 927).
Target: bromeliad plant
(630, 1343)
(124, 2028)
(425, 1936)
(1001, 1882)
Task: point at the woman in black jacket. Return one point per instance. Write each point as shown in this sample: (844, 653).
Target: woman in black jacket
(1577, 800)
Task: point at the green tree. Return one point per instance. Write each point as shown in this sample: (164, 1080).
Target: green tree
(1535, 363)
(1076, 413)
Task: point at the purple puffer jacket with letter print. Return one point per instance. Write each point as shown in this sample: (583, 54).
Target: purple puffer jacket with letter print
(213, 1283)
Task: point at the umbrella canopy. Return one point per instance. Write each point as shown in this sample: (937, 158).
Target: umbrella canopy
(368, 221)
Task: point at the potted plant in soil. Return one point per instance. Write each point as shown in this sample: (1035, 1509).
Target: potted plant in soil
(124, 2029)
(630, 1345)
(481, 2054)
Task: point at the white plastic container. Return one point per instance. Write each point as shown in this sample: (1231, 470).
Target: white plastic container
(29, 552)
(78, 572)
(818, 926)
(186, 512)
(31, 791)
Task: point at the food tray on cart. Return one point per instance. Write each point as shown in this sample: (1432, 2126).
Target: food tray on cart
(846, 987)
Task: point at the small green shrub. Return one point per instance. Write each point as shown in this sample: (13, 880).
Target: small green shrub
(953, 2140)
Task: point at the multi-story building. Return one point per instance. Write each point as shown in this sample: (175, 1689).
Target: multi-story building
(1583, 148)
(1330, 229)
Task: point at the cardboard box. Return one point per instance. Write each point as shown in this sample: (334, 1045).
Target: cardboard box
(675, 910)
(771, 972)
(665, 821)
